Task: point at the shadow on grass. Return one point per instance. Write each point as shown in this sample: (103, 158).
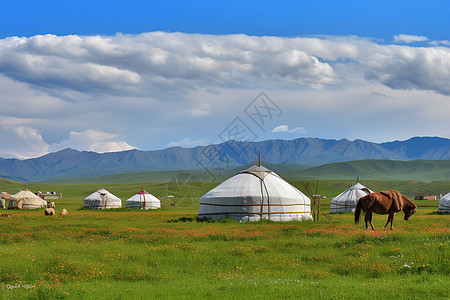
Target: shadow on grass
(439, 213)
(231, 220)
(82, 208)
(206, 220)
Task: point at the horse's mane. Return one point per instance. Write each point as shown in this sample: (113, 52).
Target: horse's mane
(397, 199)
(408, 203)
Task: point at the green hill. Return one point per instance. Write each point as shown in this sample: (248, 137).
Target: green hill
(8, 183)
(176, 175)
(420, 170)
(151, 176)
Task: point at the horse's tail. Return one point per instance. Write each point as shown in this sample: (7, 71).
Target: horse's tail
(358, 211)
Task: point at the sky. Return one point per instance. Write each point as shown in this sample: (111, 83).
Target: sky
(117, 75)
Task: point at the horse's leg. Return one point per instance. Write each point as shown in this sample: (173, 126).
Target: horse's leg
(389, 220)
(366, 218)
(371, 224)
(369, 218)
(392, 221)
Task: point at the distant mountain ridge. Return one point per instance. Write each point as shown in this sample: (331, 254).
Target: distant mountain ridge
(71, 163)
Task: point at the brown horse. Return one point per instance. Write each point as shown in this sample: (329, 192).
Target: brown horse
(385, 202)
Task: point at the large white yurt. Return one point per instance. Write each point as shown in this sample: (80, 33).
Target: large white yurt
(444, 204)
(102, 199)
(143, 200)
(254, 194)
(25, 199)
(346, 201)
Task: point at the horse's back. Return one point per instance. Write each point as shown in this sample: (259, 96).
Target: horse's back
(377, 203)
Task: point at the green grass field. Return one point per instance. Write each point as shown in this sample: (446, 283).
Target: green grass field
(166, 253)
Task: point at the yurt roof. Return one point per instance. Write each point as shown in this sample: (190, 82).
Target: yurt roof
(143, 195)
(359, 186)
(25, 194)
(259, 171)
(97, 194)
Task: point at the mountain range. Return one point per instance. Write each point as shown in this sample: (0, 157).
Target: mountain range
(302, 152)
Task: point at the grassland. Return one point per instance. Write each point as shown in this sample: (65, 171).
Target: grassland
(166, 253)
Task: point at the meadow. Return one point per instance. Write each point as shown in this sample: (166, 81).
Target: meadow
(166, 253)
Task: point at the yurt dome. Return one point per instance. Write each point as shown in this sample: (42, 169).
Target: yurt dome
(444, 203)
(143, 200)
(254, 194)
(102, 199)
(346, 201)
(25, 199)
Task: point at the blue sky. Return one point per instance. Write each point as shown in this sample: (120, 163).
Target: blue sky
(380, 19)
(115, 75)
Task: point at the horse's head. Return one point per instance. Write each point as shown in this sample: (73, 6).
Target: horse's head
(409, 213)
(409, 208)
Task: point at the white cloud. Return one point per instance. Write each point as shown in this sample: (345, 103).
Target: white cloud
(285, 128)
(298, 130)
(167, 65)
(408, 38)
(92, 140)
(281, 128)
(25, 142)
(22, 142)
(137, 64)
(438, 43)
(409, 68)
(188, 142)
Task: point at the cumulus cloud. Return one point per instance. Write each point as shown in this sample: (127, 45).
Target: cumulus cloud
(438, 43)
(22, 142)
(410, 68)
(92, 140)
(137, 64)
(285, 128)
(408, 38)
(166, 65)
(25, 142)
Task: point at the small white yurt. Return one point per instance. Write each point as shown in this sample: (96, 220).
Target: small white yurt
(102, 199)
(254, 194)
(346, 201)
(143, 200)
(444, 203)
(25, 199)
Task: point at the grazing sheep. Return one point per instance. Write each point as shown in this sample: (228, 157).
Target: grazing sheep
(49, 212)
(51, 204)
(64, 212)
